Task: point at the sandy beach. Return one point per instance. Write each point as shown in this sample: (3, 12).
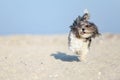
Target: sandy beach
(47, 57)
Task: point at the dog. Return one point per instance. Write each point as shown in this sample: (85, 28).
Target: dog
(80, 36)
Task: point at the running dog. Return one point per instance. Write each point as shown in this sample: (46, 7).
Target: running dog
(80, 36)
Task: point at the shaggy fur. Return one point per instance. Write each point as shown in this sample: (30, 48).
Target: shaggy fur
(80, 36)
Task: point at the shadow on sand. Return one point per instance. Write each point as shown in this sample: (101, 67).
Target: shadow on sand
(64, 57)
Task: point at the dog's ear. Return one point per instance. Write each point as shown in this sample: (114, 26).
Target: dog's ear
(96, 32)
(78, 19)
(76, 22)
(86, 15)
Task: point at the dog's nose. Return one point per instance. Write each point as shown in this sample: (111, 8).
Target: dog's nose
(83, 29)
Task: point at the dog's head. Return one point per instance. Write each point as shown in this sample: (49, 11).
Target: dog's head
(84, 28)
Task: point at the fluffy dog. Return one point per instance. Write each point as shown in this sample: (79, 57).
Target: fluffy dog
(80, 36)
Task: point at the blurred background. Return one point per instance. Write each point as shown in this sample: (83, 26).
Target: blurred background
(55, 16)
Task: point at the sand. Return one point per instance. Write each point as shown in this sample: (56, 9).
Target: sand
(47, 57)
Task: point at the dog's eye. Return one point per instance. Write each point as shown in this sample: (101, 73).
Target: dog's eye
(87, 26)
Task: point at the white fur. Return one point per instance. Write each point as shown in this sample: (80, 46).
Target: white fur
(86, 11)
(78, 45)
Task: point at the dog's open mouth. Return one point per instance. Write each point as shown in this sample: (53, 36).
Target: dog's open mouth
(83, 32)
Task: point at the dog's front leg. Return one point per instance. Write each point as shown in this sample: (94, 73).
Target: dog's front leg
(83, 55)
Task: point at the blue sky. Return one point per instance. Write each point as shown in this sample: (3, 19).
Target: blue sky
(55, 16)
